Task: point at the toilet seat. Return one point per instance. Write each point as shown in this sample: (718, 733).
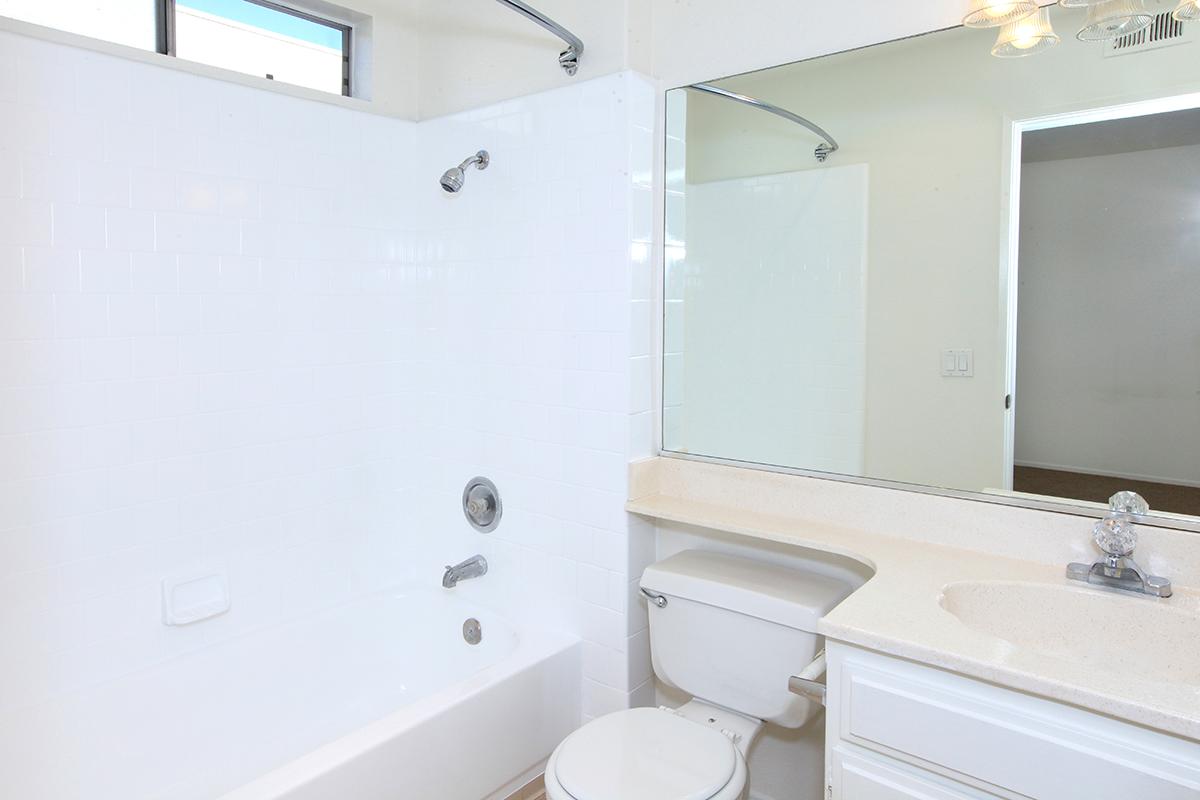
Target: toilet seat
(645, 754)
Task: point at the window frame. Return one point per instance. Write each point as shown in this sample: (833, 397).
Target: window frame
(164, 25)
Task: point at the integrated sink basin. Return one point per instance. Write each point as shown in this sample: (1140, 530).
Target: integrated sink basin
(1136, 637)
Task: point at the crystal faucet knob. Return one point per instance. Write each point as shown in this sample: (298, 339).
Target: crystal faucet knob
(1129, 503)
(1115, 536)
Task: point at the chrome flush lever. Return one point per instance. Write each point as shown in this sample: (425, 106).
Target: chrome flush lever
(657, 599)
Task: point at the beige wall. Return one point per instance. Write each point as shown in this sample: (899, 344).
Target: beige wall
(928, 116)
(697, 40)
(475, 51)
(386, 63)
(429, 58)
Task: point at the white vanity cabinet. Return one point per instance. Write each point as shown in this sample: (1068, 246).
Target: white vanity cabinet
(897, 730)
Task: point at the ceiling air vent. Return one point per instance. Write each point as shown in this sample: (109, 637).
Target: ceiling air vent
(1165, 31)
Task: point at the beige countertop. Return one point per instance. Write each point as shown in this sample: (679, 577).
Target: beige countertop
(898, 610)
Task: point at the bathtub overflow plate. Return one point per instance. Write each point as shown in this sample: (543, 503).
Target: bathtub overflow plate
(481, 504)
(472, 631)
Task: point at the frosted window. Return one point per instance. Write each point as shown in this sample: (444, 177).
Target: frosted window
(259, 39)
(128, 22)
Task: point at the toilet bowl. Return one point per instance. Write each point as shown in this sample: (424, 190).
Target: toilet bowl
(697, 752)
(729, 631)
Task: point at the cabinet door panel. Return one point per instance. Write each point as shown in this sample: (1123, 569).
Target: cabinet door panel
(1002, 741)
(859, 775)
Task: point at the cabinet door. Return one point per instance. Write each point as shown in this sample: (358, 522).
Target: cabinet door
(1000, 741)
(860, 775)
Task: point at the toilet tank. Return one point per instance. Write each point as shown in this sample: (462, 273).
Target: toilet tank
(733, 630)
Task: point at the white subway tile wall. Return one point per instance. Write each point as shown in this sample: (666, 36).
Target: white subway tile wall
(540, 273)
(192, 372)
(246, 332)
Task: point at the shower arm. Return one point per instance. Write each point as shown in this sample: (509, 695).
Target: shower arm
(567, 59)
(822, 152)
(481, 159)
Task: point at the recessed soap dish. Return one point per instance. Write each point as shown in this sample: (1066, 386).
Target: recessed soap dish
(194, 597)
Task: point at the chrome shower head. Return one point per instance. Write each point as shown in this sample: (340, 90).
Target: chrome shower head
(454, 178)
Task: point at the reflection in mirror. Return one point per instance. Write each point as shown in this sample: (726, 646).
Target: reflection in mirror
(989, 286)
(1108, 336)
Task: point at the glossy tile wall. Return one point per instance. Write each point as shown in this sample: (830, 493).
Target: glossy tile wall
(246, 333)
(541, 376)
(200, 288)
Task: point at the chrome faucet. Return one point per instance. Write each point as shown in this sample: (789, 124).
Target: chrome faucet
(1116, 536)
(473, 567)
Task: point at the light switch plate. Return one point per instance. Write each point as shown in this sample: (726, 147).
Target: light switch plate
(958, 363)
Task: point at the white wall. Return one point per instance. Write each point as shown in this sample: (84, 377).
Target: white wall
(248, 333)
(1108, 337)
(536, 285)
(200, 288)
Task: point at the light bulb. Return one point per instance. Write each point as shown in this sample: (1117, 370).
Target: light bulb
(1113, 19)
(1026, 37)
(994, 13)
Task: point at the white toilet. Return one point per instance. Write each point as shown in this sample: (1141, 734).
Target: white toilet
(728, 631)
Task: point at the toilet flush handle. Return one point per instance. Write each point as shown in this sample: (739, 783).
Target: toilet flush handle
(657, 599)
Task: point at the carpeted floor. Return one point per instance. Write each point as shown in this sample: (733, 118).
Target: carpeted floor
(1098, 488)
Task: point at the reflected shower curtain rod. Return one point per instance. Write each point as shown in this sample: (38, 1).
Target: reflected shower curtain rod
(567, 59)
(823, 150)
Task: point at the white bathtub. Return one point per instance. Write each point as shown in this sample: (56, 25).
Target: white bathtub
(381, 699)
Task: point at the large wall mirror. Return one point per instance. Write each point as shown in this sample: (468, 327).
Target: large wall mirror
(932, 263)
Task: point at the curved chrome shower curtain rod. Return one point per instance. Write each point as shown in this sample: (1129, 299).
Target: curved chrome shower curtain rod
(567, 59)
(822, 152)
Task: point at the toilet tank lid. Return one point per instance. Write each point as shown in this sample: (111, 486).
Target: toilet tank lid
(789, 596)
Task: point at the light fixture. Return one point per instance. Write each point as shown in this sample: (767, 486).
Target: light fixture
(994, 13)
(1188, 11)
(1026, 36)
(1114, 19)
(1080, 3)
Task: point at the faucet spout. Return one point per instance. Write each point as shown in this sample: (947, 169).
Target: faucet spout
(473, 567)
(1117, 538)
